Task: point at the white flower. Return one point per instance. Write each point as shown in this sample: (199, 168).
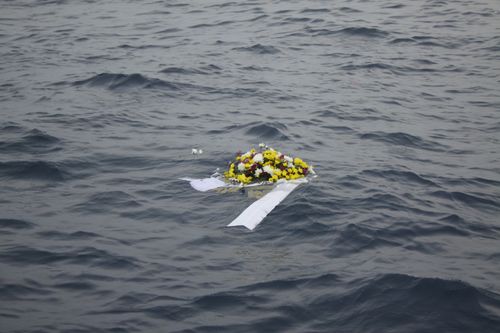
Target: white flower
(289, 159)
(269, 169)
(262, 145)
(258, 172)
(241, 167)
(258, 158)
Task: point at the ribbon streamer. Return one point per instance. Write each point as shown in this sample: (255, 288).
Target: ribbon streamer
(257, 211)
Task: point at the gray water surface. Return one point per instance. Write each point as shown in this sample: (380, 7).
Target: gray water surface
(395, 103)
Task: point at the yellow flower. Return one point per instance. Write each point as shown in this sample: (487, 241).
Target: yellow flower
(269, 154)
(244, 179)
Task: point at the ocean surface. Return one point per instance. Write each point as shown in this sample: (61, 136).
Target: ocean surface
(395, 103)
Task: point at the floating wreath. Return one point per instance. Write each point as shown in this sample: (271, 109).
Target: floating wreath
(265, 165)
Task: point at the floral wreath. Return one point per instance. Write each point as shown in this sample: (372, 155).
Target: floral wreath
(265, 165)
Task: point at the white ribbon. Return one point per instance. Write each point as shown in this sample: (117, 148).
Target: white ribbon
(256, 212)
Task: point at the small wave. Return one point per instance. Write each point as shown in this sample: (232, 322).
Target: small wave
(326, 113)
(33, 170)
(404, 177)
(256, 18)
(395, 6)
(179, 70)
(272, 130)
(435, 44)
(386, 202)
(402, 40)
(88, 256)
(120, 162)
(124, 81)
(107, 201)
(157, 214)
(34, 141)
(401, 70)
(17, 292)
(154, 12)
(468, 199)
(77, 235)
(212, 68)
(315, 10)
(36, 136)
(259, 49)
(169, 30)
(308, 206)
(349, 10)
(296, 19)
(351, 32)
(367, 66)
(224, 4)
(75, 286)
(476, 181)
(483, 230)
(429, 40)
(344, 129)
(365, 114)
(261, 293)
(11, 127)
(403, 139)
(254, 68)
(373, 303)
(188, 71)
(142, 47)
(268, 131)
(410, 233)
(210, 25)
(226, 301)
(363, 32)
(425, 61)
(15, 224)
(355, 238)
(28, 255)
(326, 302)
